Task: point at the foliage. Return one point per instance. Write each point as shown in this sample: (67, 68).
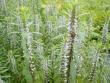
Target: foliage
(33, 34)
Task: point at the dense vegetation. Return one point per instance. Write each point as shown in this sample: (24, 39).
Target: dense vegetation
(54, 41)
